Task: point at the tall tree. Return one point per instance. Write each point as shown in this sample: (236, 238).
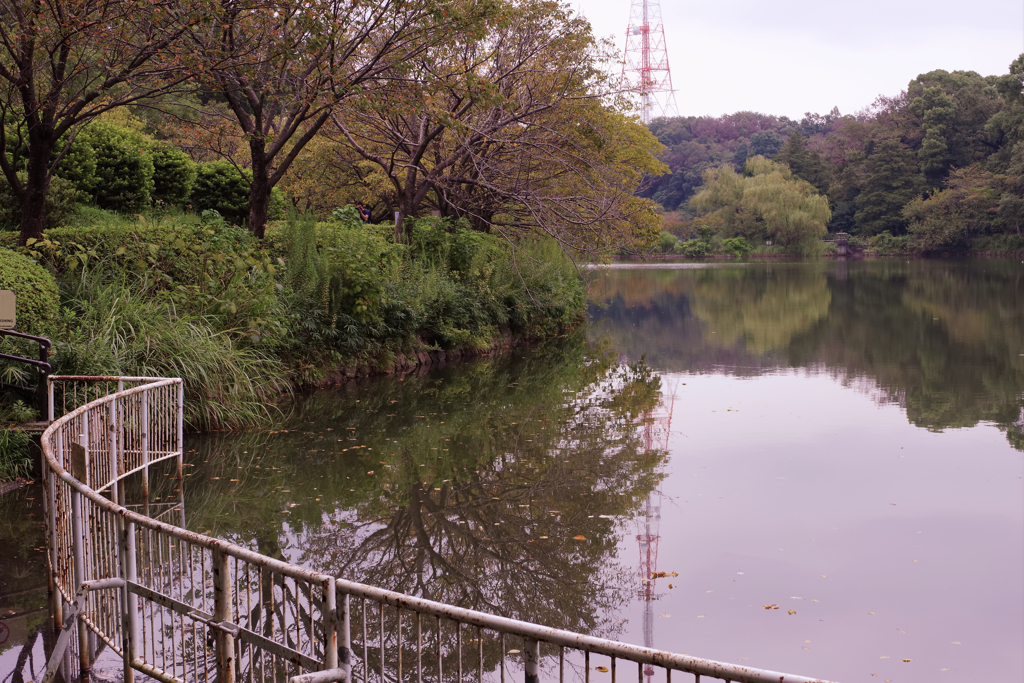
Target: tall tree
(65, 62)
(765, 202)
(891, 181)
(280, 68)
(508, 131)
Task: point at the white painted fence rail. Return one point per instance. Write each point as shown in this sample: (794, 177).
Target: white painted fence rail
(183, 607)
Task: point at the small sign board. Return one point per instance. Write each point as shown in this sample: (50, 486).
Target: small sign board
(7, 309)
(80, 463)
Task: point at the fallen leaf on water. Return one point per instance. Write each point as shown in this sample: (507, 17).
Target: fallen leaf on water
(602, 669)
(812, 600)
(870, 612)
(370, 472)
(823, 576)
(955, 642)
(807, 641)
(580, 537)
(908, 660)
(709, 591)
(662, 575)
(804, 647)
(670, 585)
(700, 616)
(884, 657)
(513, 652)
(792, 611)
(666, 615)
(543, 537)
(943, 669)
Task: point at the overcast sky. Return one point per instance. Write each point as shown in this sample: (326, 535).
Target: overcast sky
(793, 56)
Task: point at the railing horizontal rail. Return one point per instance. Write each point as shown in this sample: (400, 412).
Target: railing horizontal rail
(192, 607)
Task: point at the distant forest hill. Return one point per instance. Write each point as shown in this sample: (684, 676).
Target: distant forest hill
(942, 162)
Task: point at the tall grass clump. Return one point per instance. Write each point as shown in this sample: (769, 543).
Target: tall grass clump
(15, 460)
(111, 327)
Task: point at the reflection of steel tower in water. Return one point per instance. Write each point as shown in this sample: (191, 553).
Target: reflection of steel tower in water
(657, 428)
(645, 65)
(648, 540)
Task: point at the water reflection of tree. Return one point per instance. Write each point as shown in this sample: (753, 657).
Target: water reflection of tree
(941, 338)
(470, 468)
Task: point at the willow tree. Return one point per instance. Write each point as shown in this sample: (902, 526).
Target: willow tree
(279, 68)
(765, 202)
(509, 130)
(65, 62)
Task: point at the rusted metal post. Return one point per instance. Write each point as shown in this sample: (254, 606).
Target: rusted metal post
(144, 445)
(531, 660)
(78, 539)
(56, 600)
(113, 429)
(181, 451)
(130, 601)
(223, 618)
(49, 399)
(330, 616)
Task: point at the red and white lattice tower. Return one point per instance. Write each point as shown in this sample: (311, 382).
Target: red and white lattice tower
(645, 68)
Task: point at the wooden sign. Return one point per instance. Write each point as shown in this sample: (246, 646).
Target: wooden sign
(7, 309)
(80, 463)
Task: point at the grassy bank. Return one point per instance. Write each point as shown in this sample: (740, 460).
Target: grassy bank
(245, 321)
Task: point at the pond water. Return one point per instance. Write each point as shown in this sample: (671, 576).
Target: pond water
(842, 441)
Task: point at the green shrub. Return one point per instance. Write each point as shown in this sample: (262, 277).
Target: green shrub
(37, 297)
(223, 187)
(886, 243)
(693, 247)
(737, 246)
(61, 204)
(174, 175)
(667, 243)
(78, 166)
(123, 180)
(209, 268)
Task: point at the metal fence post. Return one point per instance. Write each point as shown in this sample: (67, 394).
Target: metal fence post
(130, 601)
(531, 660)
(113, 429)
(223, 618)
(330, 616)
(49, 399)
(77, 533)
(144, 446)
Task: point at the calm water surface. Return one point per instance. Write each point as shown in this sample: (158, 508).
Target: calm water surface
(842, 441)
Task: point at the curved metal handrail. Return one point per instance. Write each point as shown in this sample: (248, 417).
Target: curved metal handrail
(299, 620)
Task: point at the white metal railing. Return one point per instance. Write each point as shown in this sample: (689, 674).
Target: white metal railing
(183, 607)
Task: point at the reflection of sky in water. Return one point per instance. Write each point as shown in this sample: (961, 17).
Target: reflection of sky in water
(788, 488)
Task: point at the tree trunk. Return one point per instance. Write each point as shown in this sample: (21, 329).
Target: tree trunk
(37, 184)
(259, 192)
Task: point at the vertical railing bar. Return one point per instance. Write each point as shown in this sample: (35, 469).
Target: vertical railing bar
(440, 653)
(398, 615)
(613, 669)
(381, 610)
(561, 664)
(419, 648)
(586, 665)
(366, 637)
(502, 645)
(480, 655)
(458, 645)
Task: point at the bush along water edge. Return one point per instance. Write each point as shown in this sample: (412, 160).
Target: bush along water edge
(244, 322)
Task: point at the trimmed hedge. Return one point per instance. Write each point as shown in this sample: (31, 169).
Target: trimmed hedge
(37, 296)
